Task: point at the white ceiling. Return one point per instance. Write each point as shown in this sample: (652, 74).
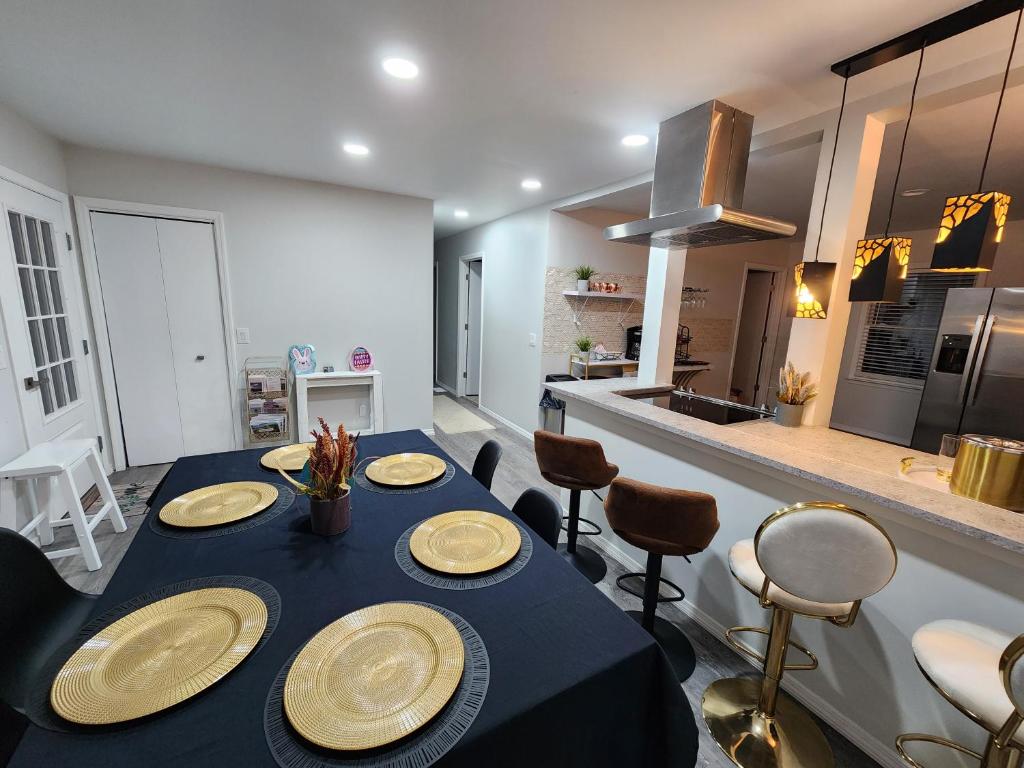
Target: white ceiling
(507, 89)
(944, 154)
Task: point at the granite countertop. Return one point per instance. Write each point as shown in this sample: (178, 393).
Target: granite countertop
(855, 465)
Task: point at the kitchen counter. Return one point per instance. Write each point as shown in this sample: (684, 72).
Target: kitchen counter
(858, 466)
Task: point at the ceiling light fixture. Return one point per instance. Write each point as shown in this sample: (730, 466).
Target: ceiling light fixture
(635, 140)
(355, 149)
(403, 69)
(530, 184)
(461, 214)
(814, 278)
(972, 225)
(880, 264)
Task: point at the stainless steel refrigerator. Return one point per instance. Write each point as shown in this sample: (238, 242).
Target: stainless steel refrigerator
(976, 380)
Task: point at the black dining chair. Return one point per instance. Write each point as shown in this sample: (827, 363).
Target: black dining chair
(39, 612)
(542, 512)
(487, 459)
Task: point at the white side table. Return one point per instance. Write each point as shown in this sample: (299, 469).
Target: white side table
(341, 404)
(57, 461)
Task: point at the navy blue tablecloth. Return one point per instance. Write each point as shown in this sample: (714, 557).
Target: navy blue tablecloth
(574, 681)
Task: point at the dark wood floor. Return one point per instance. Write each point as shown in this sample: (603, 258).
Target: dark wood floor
(516, 472)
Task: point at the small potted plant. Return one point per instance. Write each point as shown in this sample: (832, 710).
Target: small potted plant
(583, 275)
(795, 391)
(331, 461)
(584, 344)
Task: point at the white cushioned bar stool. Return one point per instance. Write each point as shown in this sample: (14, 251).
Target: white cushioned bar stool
(813, 559)
(979, 671)
(57, 461)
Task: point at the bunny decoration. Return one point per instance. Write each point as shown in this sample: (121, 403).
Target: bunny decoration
(302, 358)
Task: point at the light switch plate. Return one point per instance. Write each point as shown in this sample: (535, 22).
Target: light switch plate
(533, 339)
(242, 335)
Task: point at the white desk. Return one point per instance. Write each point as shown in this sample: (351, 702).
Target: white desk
(352, 397)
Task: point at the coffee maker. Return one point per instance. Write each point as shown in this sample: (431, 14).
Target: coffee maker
(633, 335)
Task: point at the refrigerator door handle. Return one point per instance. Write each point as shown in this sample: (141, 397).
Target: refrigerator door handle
(972, 395)
(965, 378)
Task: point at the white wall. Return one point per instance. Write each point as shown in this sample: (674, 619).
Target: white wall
(309, 263)
(515, 249)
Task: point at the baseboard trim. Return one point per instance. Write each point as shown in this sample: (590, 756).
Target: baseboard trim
(428, 432)
(514, 427)
(878, 751)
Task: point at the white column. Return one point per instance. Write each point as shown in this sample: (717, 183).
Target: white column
(661, 315)
(817, 345)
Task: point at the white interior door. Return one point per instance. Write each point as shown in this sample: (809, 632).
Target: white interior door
(161, 301)
(475, 287)
(42, 301)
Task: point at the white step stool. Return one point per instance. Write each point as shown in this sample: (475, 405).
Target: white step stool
(56, 461)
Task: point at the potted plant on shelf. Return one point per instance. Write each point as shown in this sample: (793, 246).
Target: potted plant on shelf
(583, 275)
(795, 391)
(331, 461)
(584, 345)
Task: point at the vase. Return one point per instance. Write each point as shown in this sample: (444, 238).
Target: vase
(582, 286)
(329, 517)
(789, 415)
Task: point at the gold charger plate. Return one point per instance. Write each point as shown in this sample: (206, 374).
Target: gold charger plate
(373, 676)
(290, 458)
(402, 469)
(158, 656)
(218, 504)
(465, 541)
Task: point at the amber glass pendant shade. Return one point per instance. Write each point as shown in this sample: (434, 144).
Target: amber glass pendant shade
(813, 289)
(879, 268)
(970, 231)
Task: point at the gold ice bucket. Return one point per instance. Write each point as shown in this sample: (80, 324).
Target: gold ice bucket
(991, 470)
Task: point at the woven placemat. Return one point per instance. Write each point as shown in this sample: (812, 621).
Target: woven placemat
(361, 480)
(38, 707)
(285, 499)
(418, 750)
(412, 568)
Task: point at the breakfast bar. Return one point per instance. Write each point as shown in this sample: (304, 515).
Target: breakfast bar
(958, 558)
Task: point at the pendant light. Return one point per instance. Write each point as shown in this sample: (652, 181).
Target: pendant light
(880, 263)
(972, 225)
(814, 278)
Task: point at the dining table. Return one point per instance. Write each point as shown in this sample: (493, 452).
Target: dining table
(574, 681)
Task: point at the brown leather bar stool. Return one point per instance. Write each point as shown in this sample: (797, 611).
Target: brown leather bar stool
(661, 521)
(576, 464)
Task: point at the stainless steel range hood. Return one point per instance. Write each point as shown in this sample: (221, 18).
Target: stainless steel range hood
(699, 174)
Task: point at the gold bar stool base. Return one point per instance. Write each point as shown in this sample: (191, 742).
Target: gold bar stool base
(790, 739)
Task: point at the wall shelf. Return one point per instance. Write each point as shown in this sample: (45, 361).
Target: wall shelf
(579, 307)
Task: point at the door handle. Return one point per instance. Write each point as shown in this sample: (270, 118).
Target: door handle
(33, 383)
(965, 377)
(973, 394)
(200, 358)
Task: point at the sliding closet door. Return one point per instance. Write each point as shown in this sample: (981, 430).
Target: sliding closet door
(131, 277)
(192, 294)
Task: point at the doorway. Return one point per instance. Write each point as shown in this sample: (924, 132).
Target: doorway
(49, 386)
(756, 334)
(470, 348)
(160, 300)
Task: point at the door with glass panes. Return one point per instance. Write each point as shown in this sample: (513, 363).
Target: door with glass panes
(41, 297)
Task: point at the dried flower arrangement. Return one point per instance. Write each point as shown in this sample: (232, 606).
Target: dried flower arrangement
(331, 462)
(795, 388)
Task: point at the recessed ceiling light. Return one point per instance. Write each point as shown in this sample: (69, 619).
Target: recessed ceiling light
(530, 184)
(460, 213)
(400, 68)
(355, 149)
(916, 192)
(635, 140)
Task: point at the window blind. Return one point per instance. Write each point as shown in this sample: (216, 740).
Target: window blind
(897, 340)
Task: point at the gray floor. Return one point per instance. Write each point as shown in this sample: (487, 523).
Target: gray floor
(516, 472)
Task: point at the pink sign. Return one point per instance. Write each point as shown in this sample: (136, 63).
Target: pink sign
(360, 360)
